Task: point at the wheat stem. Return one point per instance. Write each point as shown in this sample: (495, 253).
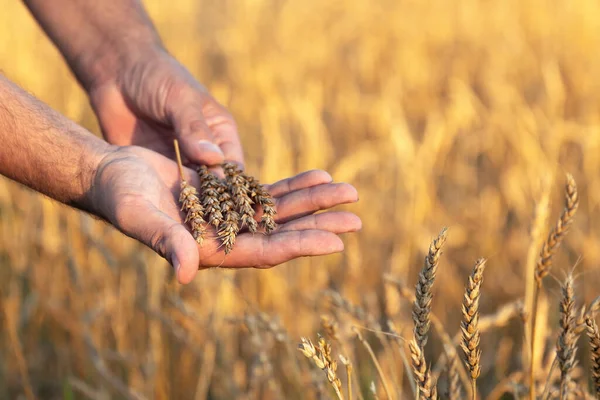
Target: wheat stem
(375, 362)
(178, 156)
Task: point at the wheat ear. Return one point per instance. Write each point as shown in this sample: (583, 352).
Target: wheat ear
(423, 293)
(544, 263)
(469, 324)
(594, 336)
(426, 388)
(321, 356)
(229, 228)
(260, 196)
(190, 203)
(566, 345)
(559, 231)
(210, 186)
(238, 188)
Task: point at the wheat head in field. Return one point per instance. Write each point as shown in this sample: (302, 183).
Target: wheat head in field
(465, 114)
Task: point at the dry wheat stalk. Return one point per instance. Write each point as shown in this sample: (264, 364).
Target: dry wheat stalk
(453, 376)
(321, 356)
(469, 324)
(559, 231)
(566, 345)
(211, 191)
(348, 366)
(423, 294)
(427, 389)
(375, 362)
(190, 203)
(594, 337)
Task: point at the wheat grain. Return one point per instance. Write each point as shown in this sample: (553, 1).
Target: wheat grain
(469, 324)
(423, 293)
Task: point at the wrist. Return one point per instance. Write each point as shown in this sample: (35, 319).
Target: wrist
(90, 168)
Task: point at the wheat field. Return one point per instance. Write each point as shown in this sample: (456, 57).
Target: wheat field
(465, 114)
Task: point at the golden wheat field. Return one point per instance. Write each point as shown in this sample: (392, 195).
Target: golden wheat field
(465, 114)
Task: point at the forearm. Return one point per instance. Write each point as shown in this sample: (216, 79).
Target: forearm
(45, 151)
(96, 37)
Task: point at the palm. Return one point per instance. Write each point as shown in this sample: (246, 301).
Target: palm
(138, 204)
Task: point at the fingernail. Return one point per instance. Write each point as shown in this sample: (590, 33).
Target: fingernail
(209, 147)
(176, 265)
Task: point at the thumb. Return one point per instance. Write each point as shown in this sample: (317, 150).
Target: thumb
(196, 138)
(168, 238)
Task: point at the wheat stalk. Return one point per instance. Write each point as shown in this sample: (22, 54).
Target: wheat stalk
(348, 366)
(594, 337)
(566, 343)
(423, 294)
(426, 388)
(469, 324)
(367, 346)
(453, 375)
(190, 203)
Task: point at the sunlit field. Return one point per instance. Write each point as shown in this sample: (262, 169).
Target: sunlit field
(466, 114)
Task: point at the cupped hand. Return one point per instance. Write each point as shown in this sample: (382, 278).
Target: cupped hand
(136, 190)
(153, 100)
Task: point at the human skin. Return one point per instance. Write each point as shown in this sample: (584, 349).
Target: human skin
(140, 93)
(51, 154)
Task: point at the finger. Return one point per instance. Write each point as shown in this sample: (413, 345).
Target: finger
(300, 181)
(335, 222)
(267, 251)
(307, 201)
(196, 138)
(225, 131)
(165, 236)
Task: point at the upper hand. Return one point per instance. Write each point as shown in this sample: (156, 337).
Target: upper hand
(153, 100)
(136, 190)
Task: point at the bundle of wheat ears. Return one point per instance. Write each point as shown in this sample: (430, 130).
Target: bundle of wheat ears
(226, 205)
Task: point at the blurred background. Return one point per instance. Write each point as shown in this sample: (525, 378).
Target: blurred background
(465, 114)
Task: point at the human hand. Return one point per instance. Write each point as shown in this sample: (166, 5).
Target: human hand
(136, 190)
(153, 100)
